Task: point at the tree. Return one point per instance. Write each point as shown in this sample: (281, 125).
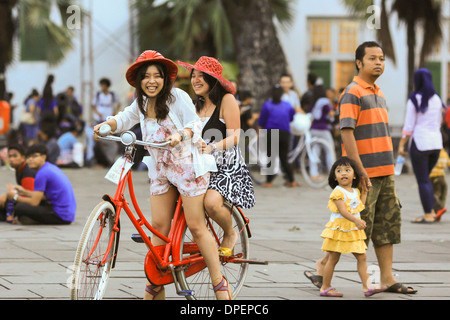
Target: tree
(413, 13)
(34, 19)
(6, 40)
(259, 54)
(226, 29)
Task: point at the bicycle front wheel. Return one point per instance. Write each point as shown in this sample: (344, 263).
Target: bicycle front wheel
(315, 163)
(90, 275)
(234, 270)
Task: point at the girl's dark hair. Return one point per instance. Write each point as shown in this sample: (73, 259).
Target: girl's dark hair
(47, 93)
(318, 91)
(163, 99)
(277, 93)
(344, 161)
(215, 94)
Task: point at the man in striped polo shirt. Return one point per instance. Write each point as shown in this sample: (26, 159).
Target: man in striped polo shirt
(366, 139)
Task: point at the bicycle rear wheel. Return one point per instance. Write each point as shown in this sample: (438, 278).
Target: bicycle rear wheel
(314, 165)
(234, 270)
(90, 275)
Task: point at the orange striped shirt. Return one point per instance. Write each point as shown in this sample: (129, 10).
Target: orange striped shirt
(363, 109)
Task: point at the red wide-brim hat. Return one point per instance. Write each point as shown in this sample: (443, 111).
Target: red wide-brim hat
(148, 56)
(212, 67)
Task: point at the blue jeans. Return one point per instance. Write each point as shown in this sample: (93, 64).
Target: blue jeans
(423, 162)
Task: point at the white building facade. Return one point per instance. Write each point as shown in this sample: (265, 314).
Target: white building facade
(323, 39)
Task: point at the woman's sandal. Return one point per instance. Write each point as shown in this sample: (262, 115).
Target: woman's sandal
(327, 293)
(152, 290)
(225, 252)
(223, 286)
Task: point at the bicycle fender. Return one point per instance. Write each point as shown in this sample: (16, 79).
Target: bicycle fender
(108, 198)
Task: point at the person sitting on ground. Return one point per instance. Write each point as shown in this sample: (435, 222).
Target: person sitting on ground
(52, 201)
(24, 177)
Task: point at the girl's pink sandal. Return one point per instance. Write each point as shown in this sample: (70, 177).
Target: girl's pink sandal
(372, 291)
(327, 293)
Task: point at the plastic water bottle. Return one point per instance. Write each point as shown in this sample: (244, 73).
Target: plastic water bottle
(9, 211)
(399, 165)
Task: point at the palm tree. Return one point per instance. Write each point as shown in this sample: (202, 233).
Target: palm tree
(184, 29)
(226, 29)
(35, 22)
(6, 40)
(413, 13)
(259, 54)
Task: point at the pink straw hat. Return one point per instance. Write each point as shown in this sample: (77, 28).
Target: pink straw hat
(212, 67)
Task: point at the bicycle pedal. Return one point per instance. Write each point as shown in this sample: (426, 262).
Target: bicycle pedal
(186, 293)
(136, 237)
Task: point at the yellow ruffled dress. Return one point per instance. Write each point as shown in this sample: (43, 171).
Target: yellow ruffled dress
(342, 235)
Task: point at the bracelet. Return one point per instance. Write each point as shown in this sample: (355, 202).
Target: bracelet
(183, 134)
(214, 147)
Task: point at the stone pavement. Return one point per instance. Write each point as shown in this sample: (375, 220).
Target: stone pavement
(286, 224)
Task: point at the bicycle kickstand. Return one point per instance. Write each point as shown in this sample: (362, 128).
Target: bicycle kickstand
(181, 293)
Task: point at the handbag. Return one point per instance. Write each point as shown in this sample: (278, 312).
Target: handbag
(27, 118)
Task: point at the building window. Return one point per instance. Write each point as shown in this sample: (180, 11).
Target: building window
(345, 71)
(320, 37)
(348, 36)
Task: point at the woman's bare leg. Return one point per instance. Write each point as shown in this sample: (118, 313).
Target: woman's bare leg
(222, 216)
(162, 207)
(195, 219)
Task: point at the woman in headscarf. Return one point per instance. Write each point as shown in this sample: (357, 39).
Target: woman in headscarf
(422, 123)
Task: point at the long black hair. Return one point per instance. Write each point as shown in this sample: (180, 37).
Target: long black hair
(276, 93)
(163, 99)
(344, 161)
(215, 94)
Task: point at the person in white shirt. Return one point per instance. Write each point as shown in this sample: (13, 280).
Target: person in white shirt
(422, 123)
(104, 105)
(105, 102)
(168, 114)
(290, 95)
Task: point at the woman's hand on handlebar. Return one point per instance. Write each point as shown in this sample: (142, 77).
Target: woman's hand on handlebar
(175, 139)
(112, 123)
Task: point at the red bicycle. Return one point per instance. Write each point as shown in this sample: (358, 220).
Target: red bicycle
(179, 261)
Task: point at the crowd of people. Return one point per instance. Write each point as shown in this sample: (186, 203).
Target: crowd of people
(364, 205)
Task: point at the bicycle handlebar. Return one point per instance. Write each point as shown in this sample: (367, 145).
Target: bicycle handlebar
(127, 138)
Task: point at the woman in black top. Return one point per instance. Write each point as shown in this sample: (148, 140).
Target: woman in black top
(220, 114)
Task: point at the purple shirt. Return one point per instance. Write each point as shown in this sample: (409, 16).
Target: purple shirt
(320, 112)
(276, 115)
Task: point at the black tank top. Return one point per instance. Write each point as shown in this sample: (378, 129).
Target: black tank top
(215, 130)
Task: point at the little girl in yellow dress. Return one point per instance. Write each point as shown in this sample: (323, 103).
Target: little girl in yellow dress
(344, 233)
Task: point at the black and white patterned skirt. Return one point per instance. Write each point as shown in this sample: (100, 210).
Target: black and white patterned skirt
(232, 179)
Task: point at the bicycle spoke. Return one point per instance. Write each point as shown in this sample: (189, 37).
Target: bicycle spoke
(90, 273)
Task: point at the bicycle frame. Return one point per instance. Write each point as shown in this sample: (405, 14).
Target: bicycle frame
(158, 270)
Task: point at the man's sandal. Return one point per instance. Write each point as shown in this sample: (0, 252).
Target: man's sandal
(315, 279)
(223, 286)
(400, 288)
